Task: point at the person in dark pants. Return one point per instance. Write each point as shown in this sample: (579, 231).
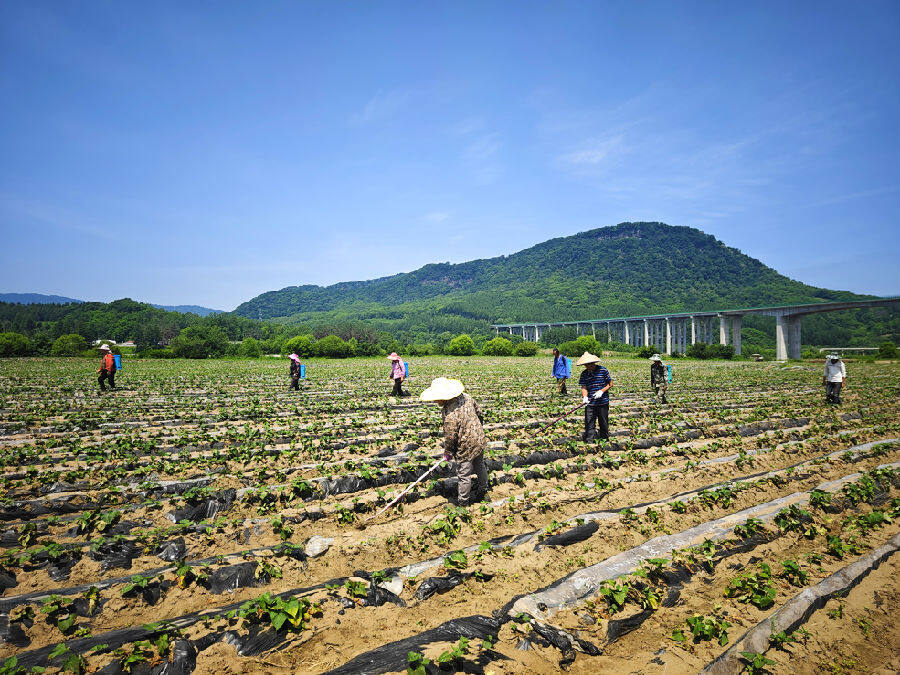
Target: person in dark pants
(595, 384)
(107, 368)
(295, 372)
(659, 377)
(833, 378)
(560, 372)
(398, 373)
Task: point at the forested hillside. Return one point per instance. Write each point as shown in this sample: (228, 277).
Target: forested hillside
(118, 320)
(624, 270)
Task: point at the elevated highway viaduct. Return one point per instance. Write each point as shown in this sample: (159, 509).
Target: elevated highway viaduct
(676, 331)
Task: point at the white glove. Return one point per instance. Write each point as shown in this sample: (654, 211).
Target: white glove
(599, 393)
(584, 399)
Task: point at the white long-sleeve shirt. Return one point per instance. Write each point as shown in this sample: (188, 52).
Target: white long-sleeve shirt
(835, 372)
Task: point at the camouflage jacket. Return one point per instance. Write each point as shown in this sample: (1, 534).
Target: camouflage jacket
(463, 434)
(658, 374)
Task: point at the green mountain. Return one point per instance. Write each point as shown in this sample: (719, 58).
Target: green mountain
(625, 270)
(36, 298)
(189, 309)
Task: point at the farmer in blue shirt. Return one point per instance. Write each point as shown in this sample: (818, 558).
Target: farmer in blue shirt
(560, 372)
(595, 385)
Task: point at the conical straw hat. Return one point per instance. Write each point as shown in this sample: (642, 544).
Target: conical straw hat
(587, 358)
(442, 389)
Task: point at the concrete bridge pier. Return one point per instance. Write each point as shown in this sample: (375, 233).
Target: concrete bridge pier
(736, 333)
(781, 338)
(723, 329)
(794, 350)
(787, 336)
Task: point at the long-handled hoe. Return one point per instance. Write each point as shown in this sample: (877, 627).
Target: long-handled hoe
(361, 525)
(563, 416)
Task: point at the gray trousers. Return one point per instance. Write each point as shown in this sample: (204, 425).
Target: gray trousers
(833, 391)
(467, 472)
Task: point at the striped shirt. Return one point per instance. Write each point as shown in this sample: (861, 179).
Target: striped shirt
(594, 382)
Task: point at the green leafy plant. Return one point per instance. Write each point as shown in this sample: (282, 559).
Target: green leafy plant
(345, 516)
(185, 574)
(794, 574)
(69, 661)
(708, 628)
(756, 663)
(356, 589)
(781, 639)
(456, 560)
(791, 519)
(266, 570)
(615, 593)
(753, 588)
(748, 528)
(60, 612)
(416, 663)
(820, 499)
(455, 653)
(138, 584)
(11, 667)
(293, 614)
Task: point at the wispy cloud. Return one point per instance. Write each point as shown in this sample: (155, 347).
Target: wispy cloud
(659, 151)
(850, 196)
(480, 150)
(594, 151)
(30, 213)
(437, 216)
(382, 106)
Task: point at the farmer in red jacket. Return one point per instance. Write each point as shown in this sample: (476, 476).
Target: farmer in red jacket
(107, 368)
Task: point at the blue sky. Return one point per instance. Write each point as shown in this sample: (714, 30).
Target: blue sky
(206, 152)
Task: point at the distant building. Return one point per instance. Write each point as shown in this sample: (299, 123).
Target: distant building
(127, 343)
(112, 342)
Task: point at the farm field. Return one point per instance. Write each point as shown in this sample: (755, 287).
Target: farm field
(203, 518)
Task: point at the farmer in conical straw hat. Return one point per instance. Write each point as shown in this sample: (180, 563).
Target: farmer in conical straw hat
(397, 374)
(295, 371)
(595, 384)
(107, 368)
(658, 377)
(464, 439)
(833, 378)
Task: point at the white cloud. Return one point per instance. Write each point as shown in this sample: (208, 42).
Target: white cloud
(437, 216)
(382, 106)
(595, 151)
(481, 157)
(480, 151)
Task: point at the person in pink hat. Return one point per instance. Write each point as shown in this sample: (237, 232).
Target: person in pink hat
(398, 373)
(295, 371)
